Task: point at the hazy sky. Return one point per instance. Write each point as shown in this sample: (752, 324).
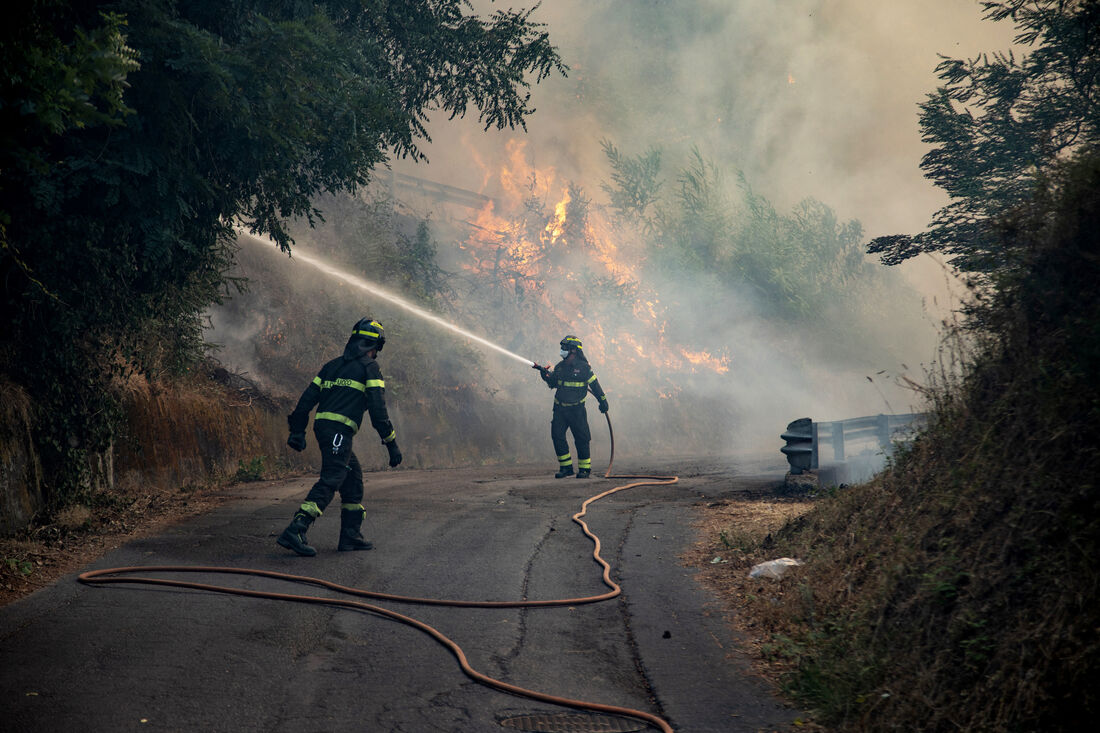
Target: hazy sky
(810, 98)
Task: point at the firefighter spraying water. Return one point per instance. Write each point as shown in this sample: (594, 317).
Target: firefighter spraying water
(573, 379)
(347, 388)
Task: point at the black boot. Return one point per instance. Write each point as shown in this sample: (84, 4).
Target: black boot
(294, 536)
(584, 472)
(564, 471)
(350, 538)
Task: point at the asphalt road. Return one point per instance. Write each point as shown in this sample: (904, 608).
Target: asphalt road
(140, 658)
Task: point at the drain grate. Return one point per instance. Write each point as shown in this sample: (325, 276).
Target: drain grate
(573, 723)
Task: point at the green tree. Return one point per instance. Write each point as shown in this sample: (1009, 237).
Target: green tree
(998, 122)
(52, 84)
(801, 262)
(635, 182)
(120, 206)
(796, 263)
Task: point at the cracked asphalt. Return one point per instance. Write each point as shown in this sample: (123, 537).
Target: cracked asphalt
(138, 658)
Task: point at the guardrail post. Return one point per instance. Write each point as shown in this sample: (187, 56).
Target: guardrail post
(884, 432)
(837, 431)
(800, 445)
(816, 444)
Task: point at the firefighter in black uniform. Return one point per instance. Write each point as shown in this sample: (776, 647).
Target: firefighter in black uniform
(343, 390)
(572, 377)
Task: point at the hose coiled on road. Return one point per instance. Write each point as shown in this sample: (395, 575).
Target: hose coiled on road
(127, 575)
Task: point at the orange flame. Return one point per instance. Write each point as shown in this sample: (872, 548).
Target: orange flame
(518, 246)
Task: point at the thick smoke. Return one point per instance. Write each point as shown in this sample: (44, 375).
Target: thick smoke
(808, 98)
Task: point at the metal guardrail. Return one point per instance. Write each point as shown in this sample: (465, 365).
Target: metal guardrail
(407, 184)
(861, 435)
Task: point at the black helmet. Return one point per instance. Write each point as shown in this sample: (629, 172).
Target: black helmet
(371, 330)
(571, 343)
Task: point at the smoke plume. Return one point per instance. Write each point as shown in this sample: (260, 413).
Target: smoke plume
(806, 99)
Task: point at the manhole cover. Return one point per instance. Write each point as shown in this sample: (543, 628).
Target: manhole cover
(573, 723)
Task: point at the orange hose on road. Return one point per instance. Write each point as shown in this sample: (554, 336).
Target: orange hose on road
(124, 575)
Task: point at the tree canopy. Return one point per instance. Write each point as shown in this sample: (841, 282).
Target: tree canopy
(137, 134)
(794, 263)
(1000, 122)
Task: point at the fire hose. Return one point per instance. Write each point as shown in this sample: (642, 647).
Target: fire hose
(126, 575)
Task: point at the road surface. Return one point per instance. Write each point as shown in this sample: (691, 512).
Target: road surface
(143, 658)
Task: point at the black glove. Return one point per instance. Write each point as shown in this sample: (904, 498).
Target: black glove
(604, 407)
(395, 453)
(297, 441)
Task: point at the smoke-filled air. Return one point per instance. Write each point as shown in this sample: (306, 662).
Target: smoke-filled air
(693, 201)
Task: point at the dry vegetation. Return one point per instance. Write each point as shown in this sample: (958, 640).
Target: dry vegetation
(959, 590)
(182, 446)
(734, 534)
(80, 534)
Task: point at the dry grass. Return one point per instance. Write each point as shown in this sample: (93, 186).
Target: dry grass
(732, 535)
(184, 443)
(79, 535)
(959, 589)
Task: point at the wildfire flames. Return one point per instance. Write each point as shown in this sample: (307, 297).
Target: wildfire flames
(568, 259)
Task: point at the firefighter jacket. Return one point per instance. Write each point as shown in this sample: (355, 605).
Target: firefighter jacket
(573, 380)
(343, 390)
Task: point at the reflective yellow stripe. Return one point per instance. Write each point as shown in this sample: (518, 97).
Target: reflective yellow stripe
(376, 383)
(391, 437)
(565, 460)
(337, 417)
(317, 381)
(347, 383)
(569, 404)
(584, 463)
(591, 379)
(574, 384)
(311, 509)
(353, 507)
(370, 334)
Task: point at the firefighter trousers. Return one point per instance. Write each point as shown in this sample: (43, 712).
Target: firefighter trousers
(573, 418)
(340, 469)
